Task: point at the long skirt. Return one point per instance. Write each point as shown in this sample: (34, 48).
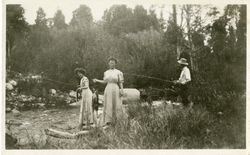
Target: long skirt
(86, 112)
(113, 109)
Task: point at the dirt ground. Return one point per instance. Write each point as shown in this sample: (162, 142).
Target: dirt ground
(28, 127)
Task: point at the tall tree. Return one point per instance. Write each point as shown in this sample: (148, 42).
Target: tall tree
(82, 17)
(41, 20)
(241, 34)
(141, 18)
(39, 41)
(118, 19)
(16, 28)
(59, 20)
(175, 28)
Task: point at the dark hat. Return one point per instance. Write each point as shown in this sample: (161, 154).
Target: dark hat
(112, 58)
(80, 70)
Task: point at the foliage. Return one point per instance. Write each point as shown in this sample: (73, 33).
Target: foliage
(147, 45)
(163, 127)
(59, 20)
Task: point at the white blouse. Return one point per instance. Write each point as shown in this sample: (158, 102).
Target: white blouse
(113, 76)
(185, 75)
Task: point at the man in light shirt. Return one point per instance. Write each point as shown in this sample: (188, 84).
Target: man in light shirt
(183, 81)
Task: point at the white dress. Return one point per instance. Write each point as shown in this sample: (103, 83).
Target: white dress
(86, 112)
(113, 109)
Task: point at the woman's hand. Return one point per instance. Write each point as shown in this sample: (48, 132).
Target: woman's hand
(99, 81)
(94, 80)
(121, 92)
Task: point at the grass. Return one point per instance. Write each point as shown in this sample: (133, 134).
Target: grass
(165, 127)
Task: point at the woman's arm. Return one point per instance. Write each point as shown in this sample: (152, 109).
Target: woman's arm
(121, 80)
(121, 89)
(99, 81)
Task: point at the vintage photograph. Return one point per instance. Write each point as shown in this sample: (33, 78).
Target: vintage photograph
(95, 75)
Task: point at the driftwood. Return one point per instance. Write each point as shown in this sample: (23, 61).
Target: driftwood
(12, 122)
(67, 135)
(64, 135)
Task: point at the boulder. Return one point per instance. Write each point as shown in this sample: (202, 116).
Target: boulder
(52, 91)
(8, 109)
(16, 112)
(131, 95)
(72, 94)
(13, 83)
(9, 86)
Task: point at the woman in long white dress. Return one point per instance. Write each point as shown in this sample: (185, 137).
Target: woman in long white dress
(86, 112)
(113, 93)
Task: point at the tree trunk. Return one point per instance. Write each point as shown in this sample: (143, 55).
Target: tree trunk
(177, 51)
(8, 51)
(187, 9)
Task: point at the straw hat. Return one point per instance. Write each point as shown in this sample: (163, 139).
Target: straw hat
(183, 61)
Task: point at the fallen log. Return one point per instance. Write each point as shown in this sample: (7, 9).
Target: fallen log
(64, 135)
(67, 135)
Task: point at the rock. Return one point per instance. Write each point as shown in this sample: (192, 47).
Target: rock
(10, 141)
(131, 95)
(220, 113)
(24, 125)
(157, 103)
(9, 86)
(44, 115)
(13, 83)
(72, 94)
(37, 77)
(176, 103)
(16, 112)
(52, 91)
(41, 105)
(23, 141)
(8, 109)
(168, 102)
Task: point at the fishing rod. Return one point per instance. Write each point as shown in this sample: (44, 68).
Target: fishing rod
(149, 77)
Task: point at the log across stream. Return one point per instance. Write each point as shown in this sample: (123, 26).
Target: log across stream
(67, 135)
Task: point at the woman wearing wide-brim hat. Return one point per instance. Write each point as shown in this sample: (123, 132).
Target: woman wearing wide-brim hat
(183, 81)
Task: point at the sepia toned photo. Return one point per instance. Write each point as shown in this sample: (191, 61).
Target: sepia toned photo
(94, 75)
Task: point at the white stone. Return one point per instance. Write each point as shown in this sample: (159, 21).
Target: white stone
(13, 83)
(9, 86)
(131, 95)
(72, 93)
(14, 111)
